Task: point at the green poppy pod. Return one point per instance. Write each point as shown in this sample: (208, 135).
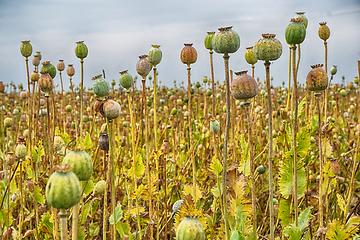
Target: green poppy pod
(324, 31)
(100, 86)
(143, 66)
(63, 189)
(249, 55)
(243, 86)
(38, 54)
(295, 32)
(208, 40)
(188, 54)
(226, 41)
(154, 55)
(81, 162)
(126, 80)
(81, 50)
(268, 48)
(190, 228)
(48, 67)
(26, 49)
(302, 16)
(317, 79)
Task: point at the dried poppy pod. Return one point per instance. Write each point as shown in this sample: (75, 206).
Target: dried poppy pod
(97, 105)
(143, 66)
(46, 83)
(104, 141)
(243, 86)
(36, 61)
(10, 158)
(70, 70)
(324, 31)
(317, 79)
(60, 65)
(188, 54)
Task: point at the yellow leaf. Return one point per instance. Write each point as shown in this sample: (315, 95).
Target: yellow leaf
(189, 190)
(341, 202)
(133, 211)
(352, 225)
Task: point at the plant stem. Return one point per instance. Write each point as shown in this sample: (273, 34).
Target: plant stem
(29, 106)
(212, 84)
(75, 212)
(321, 213)
(155, 120)
(252, 171)
(81, 96)
(21, 199)
(289, 90)
(226, 139)
(253, 70)
(63, 224)
(36, 217)
(62, 98)
(134, 162)
(295, 129)
(147, 157)
(105, 195)
(271, 180)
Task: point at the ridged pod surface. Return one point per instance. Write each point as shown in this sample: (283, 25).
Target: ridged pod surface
(249, 55)
(295, 32)
(214, 125)
(110, 109)
(126, 80)
(20, 150)
(188, 54)
(81, 162)
(226, 41)
(317, 79)
(45, 82)
(190, 228)
(63, 188)
(100, 86)
(302, 16)
(143, 66)
(154, 55)
(81, 50)
(38, 54)
(243, 86)
(324, 31)
(60, 65)
(208, 40)
(48, 67)
(26, 48)
(70, 71)
(268, 48)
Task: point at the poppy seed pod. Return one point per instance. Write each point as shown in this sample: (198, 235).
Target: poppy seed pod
(104, 141)
(26, 49)
(302, 16)
(249, 55)
(36, 60)
(48, 67)
(60, 66)
(34, 76)
(243, 86)
(317, 79)
(10, 158)
(324, 31)
(190, 228)
(226, 41)
(38, 54)
(70, 70)
(110, 109)
(126, 80)
(295, 32)
(45, 83)
(208, 40)
(155, 55)
(81, 50)
(188, 54)
(268, 48)
(81, 162)
(143, 66)
(20, 150)
(100, 86)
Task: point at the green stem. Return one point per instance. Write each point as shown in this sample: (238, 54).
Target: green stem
(271, 180)
(289, 89)
(321, 213)
(212, 84)
(105, 195)
(75, 212)
(81, 96)
(226, 139)
(21, 199)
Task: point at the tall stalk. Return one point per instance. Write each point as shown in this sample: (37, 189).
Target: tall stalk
(81, 97)
(295, 129)
(29, 106)
(63, 224)
(271, 180)
(225, 149)
(289, 89)
(155, 118)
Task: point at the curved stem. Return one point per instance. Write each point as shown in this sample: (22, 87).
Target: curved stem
(226, 139)
(271, 180)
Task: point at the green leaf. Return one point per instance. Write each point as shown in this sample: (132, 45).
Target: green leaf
(352, 225)
(293, 232)
(3, 217)
(123, 228)
(38, 196)
(89, 186)
(38, 152)
(286, 167)
(46, 222)
(81, 233)
(118, 215)
(284, 212)
(304, 218)
(140, 167)
(235, 235)
(336, 231)
(87, 143)
(216, 166)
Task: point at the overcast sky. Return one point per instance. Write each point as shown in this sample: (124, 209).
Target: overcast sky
(117, 32)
